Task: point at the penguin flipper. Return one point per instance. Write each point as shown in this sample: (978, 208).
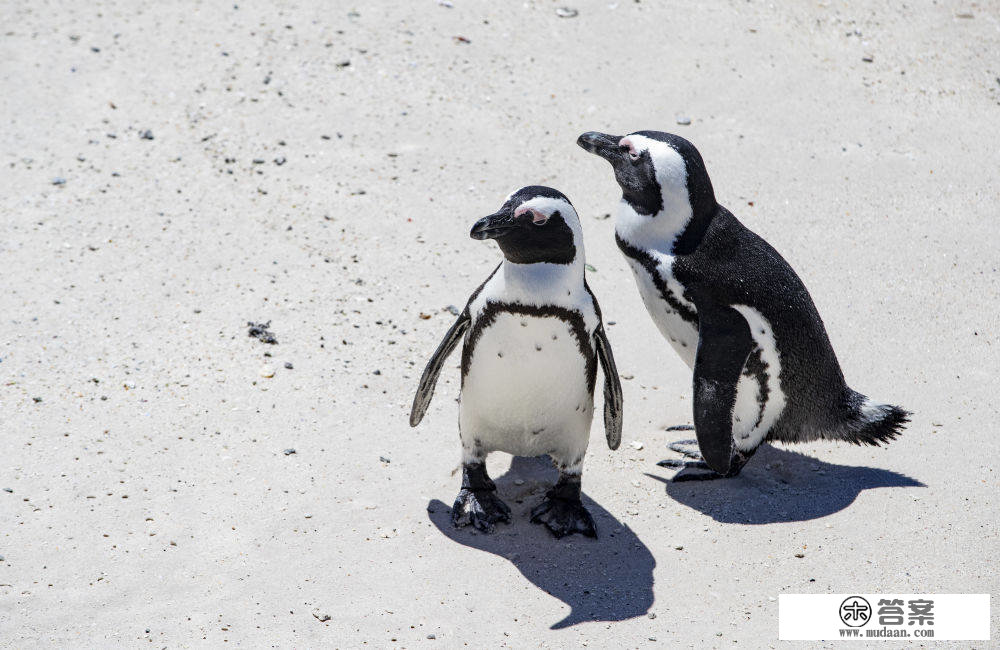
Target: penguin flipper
(612, 389)
(724, 343)
(425, 391)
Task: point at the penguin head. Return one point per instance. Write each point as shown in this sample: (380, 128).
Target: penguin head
(658, 172)
(535, 224)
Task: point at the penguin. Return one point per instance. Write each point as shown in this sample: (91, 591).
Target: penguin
(733, 309)
(532, 336)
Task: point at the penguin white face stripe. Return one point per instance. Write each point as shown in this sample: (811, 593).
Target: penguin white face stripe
(751, 422)
(670, 171)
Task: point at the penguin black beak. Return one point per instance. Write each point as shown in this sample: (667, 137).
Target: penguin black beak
(601, 144)
(494, 226)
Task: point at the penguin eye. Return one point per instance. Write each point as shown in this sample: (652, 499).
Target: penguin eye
(633, 155)
(538, 218)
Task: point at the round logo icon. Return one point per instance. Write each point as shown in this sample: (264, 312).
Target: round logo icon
(855, 611)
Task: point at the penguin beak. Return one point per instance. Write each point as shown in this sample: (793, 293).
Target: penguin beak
(494, 226)
(601, 144)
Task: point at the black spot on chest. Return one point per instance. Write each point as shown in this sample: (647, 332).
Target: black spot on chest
(572, 318)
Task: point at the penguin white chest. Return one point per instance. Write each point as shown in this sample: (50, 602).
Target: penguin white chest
(674, 315)
(526, 390)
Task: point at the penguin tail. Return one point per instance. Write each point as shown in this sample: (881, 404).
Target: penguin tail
(871, 423)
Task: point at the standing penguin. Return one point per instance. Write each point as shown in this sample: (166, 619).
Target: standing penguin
(532, 340)
(733, 309)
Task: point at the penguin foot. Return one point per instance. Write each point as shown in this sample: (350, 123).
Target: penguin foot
(686, 448)
(564, 517)
(481, 508)
(681, 477)
(683, 464)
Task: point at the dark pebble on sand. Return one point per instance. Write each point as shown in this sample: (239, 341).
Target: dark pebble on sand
(58, 180)
(37, 399)
(146, 135)
(279, 161)
(289, 366)
(453, 310)
(289, 452)
(261, 332)
(384, 459)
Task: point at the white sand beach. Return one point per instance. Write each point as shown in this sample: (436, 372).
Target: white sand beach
(171, 171)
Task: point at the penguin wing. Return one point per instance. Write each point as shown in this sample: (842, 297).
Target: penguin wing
(612, 389)
(425, 391)
(724, 343)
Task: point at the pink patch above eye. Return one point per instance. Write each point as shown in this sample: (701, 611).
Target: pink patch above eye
(625, 142)
(537, 217)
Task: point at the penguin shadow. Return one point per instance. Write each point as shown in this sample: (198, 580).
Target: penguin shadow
(605, 579)
(779, 486)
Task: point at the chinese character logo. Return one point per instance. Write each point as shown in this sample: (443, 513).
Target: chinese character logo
(890, 612)
(855, 611)
(920, 611)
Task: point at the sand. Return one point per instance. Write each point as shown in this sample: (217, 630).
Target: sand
(319, 167)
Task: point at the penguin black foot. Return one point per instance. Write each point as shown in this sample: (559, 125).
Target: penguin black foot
(477, 503)
(689, 449)
(686, 448)
(562, 511)
(481, 508)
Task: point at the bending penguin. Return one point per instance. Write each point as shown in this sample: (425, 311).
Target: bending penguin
(733, 309)
(532, 338)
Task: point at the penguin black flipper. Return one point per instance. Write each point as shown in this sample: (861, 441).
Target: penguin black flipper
(425, 391)
(612, 389)
(724, 343)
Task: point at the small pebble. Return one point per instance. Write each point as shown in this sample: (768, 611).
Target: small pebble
(37, 399)
(267, 372)
(10, 490)
(309, 516)
(453, 310)
(567, 12)
(384, 459)
(651, 615)
(800, 555)
(58, 180)
(635, 444)
(431, 636)
(868, 58)
(146, 135)
(678, 547)
(289, 366)
(683, 120)
(289, 451)
(279, 161)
